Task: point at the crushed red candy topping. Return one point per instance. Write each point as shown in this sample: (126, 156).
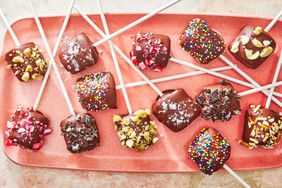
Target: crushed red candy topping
(27, 128)
(147, 50)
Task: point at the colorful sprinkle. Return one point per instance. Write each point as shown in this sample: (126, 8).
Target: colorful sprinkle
(96, 91)
(209, 150)
(202, 42)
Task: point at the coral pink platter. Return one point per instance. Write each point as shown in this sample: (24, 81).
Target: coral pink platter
(169, 154)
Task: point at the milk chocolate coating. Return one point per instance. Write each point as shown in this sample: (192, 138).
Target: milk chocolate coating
(27, 128)
(241, 55)
(176, 109)
(151, 50)
(78, 53)
(80, 132)
(262, 127)
(201, 41)
(27, 59)
(219, 102)
(137, 130)
(210, 150)
(97, 91)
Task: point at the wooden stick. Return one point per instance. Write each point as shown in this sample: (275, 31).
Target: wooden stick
(62, 86)
(55, 50)
(129, 109)
(275, 77)
(140, 20)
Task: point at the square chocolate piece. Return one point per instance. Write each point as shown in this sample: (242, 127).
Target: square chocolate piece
(27, 128)
(136, 130)
(78, 53)
(97, 91)
(150, 50)
(80, 132)
(219, 102)
(27, 62)
(262, 127)
(252, 46)
(201, 41)
(210, 150)
(176, 109)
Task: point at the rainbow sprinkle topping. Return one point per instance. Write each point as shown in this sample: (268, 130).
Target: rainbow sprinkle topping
(202, 42)
(94, 91)
(209, 150)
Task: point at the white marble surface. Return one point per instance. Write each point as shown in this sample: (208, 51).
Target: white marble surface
(12, 175)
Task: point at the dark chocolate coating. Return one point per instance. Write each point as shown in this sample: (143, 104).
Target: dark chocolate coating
(210, 150)
(97, 91)
(27, 128)
(78, 53)
(30, 61)
(241, 55)
(151, 50)
(176, 109)
(201, 41)
(136, 130)
(219, 102)
(80, 132)
(262, 127)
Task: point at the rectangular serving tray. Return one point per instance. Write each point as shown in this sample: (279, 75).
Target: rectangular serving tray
(169, 154)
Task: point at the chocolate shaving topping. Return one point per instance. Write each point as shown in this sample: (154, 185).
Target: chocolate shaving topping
(80, 132)
(219, 102)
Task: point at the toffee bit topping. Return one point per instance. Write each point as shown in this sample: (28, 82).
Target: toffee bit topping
(262, 127)
(136, 130)
(209, 150)
(201, 41)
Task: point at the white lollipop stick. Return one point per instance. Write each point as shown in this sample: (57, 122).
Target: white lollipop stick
(193, 66)
(52, 58)
(251, 91)
(140, 20)
(270, 25)
(12, 33)
(154, 87)
(173, 77)
(55, 50)
(94, 26)
(246, 76)
(275, 77)
(129, 109)
(273, 22)
(228, 169)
